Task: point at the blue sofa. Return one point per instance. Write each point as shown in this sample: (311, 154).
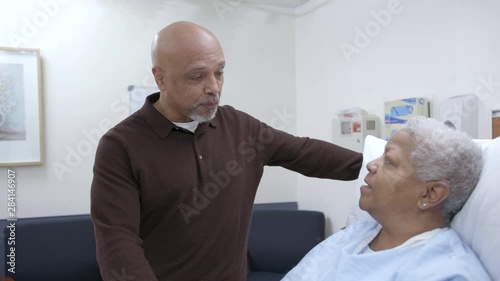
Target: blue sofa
(63, 248)
(54, 248)
(279, 239)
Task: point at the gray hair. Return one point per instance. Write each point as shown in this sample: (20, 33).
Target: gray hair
(441, 153)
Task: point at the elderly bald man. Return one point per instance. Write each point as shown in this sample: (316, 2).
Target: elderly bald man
(174, 183)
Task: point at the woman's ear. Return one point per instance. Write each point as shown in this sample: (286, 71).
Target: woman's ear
(436, 192)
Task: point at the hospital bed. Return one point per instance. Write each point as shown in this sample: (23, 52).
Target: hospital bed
(478, 223)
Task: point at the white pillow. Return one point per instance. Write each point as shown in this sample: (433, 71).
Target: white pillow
(373, 148)
(478, 222)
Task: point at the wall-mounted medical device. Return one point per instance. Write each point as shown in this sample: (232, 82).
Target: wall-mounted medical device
(461, 112)
(397, 112)
(351, 126)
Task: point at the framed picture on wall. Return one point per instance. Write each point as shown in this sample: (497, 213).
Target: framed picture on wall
(21, 124)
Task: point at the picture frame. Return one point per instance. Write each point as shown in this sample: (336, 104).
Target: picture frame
(21, 108)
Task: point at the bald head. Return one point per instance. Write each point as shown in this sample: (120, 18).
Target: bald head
(181, 38)
(188, 67)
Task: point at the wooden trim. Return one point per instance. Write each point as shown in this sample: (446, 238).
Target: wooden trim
(495, 130)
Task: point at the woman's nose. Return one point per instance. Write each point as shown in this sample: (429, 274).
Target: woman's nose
(372, 166)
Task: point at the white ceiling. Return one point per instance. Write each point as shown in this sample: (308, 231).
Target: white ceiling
(279, 3)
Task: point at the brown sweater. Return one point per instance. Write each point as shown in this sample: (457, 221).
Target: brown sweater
(168, 204)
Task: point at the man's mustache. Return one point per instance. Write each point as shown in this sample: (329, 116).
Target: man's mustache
(214, 99)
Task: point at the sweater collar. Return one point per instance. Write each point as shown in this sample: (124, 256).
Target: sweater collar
(161, 125)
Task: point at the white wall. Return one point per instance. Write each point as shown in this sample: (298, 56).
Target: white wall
(435, 49)
(92, 50)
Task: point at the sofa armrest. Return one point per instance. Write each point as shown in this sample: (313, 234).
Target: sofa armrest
(279, 239)
(54, 248)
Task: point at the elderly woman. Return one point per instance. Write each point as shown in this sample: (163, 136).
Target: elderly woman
(424, 177)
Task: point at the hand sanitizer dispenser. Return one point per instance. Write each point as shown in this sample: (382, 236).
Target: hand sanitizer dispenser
(351, 126)
(461, 112)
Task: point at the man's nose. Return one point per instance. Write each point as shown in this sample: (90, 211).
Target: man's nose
(212, 86)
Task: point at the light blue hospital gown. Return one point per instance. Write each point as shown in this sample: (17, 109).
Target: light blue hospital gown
(442, 257)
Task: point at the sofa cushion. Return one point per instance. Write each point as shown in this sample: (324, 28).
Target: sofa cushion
(55, 248)
(279, 239)
(264, 276)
